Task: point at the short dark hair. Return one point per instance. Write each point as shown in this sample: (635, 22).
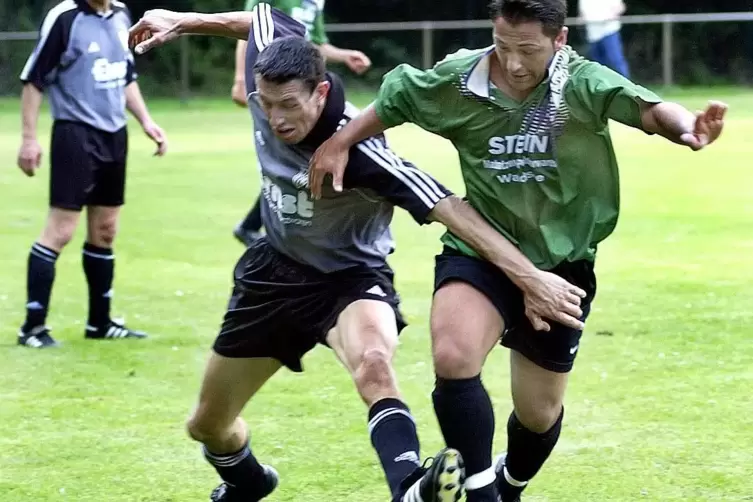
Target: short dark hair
(550, 13)
(291, 58)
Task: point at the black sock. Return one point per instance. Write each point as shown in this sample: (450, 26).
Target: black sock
(99, 267)
(395, 439)
(240, 470)
(526, 453)
(466, 417)
(39, 278)
(253, 218)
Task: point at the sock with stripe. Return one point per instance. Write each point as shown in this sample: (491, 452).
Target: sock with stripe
(240, 470)
(466, 417)
(526, 453)
(39, 279)
(99, 267)
(395, 439)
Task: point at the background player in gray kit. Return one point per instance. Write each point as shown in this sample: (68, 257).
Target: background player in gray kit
(320, 275)
(83, 63)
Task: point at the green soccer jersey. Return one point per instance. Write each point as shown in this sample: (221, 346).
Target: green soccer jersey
(542, 171)
(309, 13)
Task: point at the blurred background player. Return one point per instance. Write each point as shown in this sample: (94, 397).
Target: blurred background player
(89, 41)
(310, 13)
(603, 32)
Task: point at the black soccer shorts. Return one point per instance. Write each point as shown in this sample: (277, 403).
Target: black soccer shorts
(553, 350)
(87, 166)
(282, 309)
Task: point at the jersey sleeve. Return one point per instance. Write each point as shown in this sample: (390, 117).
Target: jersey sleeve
(318, 34)
(374, 166)
(53, 39)
(606, 94)
(408, 94)
(268, 24)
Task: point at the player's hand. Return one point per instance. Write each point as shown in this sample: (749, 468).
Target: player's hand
(357, 61)
(549, 296)
(708, 126)
(329, 158)
(157, 27)
(238, 93)
(157, 135)
(29, 156)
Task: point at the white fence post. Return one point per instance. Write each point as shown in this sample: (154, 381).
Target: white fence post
(667, 50)
(427, 45)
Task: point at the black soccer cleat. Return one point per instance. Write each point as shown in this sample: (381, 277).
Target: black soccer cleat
(247, 237)
(499, 470)
(36, 338)
(113, 330)
(229, 493)
(442, 482)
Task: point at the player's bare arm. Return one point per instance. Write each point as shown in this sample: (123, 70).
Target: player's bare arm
(332, 156)
(679, 125)
(160, 26)
(136, 105)
(30, 153)
(547, 296)
(357, 61)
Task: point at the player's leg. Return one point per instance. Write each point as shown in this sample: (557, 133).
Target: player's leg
(465, 326)
(614, 54)
(364, 339)
(98, 258)
(250, 228)
(71, 175)
(228, 384)
(58, 231)
(540, 363)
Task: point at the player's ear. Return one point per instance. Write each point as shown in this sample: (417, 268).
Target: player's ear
(561, 39)
(322, 90)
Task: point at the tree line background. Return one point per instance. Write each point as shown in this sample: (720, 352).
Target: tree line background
(705, 53)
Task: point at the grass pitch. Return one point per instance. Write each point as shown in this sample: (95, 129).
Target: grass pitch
(659, 406)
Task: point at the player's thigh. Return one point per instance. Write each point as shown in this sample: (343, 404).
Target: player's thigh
(537, 393)
(59, 228)
(102, 225)
(71, 166)
(228, 384)
(365, 328)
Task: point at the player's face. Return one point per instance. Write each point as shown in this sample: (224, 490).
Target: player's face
(292, 109)
(524, 52)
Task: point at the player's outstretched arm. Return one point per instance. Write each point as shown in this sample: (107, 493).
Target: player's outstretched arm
(332, 156)
(547, 296)
(679, 125)
(160, 26)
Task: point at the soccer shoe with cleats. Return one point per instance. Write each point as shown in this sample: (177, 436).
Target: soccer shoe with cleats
(113, 330)
(441, 482)
(499, 470)
(36, 338)
(229, 493)
(246, 237)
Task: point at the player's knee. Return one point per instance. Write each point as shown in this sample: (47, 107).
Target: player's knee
(57, 236)
(539, 415)
(374, 376)
(453, 356)
(104, 233)
(203, 430)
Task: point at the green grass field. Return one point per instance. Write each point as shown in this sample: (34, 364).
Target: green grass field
(659, 406)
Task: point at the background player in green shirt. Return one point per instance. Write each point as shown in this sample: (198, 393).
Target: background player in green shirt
(529, 119)
(310, 13)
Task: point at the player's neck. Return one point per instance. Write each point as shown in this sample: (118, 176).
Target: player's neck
(100, 6)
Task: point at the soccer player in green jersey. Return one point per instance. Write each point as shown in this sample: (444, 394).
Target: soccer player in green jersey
(529, 119)
(310, 13)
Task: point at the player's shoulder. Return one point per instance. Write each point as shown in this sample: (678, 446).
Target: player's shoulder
(62, 12)
(459, 61)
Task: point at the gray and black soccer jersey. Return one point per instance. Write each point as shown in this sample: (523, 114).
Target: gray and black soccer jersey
(342, 230)
(83, 62)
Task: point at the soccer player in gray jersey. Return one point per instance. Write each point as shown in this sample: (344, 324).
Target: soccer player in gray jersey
(83, 63)
(320, 275)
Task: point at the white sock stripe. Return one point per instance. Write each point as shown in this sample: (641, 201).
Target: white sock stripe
(373, 155)
(374, 423)
(481, 479)
(99, 255)
(41, 256)
(379, 415)
(44, 251)
(400, 166)
(513, 481)
(226, 460)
